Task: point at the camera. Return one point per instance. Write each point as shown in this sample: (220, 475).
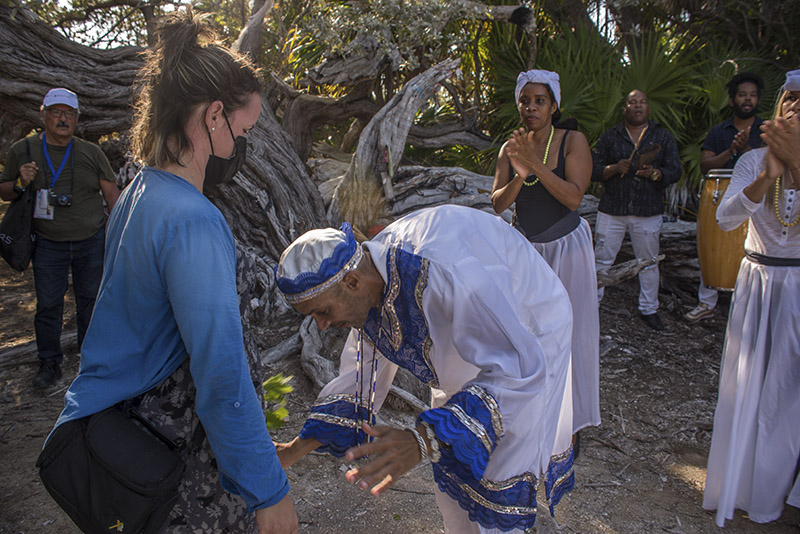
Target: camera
(60, 199)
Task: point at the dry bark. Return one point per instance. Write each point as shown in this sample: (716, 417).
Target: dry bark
(359, 198)
(267, 205)
(36, 58)
(623, 271)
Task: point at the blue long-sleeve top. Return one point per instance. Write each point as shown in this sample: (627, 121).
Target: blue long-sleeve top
(168, 292)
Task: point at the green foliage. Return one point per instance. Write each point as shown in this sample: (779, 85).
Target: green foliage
(416, 30)
(680, 54)
(684, 78)
(276, 390)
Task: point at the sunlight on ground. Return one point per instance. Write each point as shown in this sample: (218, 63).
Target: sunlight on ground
(600, 527)
(12, 396)
(694, 476)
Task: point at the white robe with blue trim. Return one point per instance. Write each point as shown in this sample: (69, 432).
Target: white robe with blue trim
(473, 311)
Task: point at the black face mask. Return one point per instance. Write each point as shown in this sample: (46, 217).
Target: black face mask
(219, 170)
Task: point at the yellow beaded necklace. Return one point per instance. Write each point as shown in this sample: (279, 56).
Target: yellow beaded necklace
(544, 161)
(778, 206)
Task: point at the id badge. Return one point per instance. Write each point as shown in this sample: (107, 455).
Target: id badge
(42, 209)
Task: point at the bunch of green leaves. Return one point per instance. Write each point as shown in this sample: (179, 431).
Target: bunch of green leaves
(276, 391)
(419, 31)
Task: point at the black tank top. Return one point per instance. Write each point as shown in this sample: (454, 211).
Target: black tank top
(536, 210)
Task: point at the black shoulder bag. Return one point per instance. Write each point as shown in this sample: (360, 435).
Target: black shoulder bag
(113, 472)
(16, 228)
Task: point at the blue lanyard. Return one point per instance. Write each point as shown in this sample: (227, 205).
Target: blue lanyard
(55, 173)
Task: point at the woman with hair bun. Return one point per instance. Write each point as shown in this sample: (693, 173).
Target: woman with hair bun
(166, 338)
(544, 170)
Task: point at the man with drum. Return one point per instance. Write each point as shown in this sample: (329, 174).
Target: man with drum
(722, 147)
(635, 160)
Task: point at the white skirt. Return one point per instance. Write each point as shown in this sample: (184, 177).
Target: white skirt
(572, 259)
(755, 445)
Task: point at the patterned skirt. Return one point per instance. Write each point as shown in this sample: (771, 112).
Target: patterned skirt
(203, 506)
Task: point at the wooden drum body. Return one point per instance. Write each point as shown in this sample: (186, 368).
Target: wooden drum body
(720, 252)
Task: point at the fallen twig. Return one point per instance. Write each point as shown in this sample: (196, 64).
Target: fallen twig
(618, 473)
(607, 444)
(613, 483)
(411, 491)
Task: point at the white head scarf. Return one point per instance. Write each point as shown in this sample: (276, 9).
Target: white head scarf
(792, 81)
(545, 77)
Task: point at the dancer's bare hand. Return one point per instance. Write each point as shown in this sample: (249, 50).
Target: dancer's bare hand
(521, 148)
(783, 139)
(397, 452)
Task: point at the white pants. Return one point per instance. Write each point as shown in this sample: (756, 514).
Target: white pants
(707, 295)
(645, 233)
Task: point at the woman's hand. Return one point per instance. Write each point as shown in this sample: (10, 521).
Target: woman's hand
(783, 140)
(522, 154)
(397, 452)
(280, 518)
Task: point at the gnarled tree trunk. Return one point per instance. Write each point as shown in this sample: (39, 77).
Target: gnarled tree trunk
(267, 205)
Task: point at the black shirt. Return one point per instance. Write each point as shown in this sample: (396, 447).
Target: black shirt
(627, 194)
(721, 136)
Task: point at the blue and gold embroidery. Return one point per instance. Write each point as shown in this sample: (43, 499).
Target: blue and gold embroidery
(405, 338)
(332, 422)
(471, 424)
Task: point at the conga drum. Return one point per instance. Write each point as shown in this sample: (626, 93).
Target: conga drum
(719, 252)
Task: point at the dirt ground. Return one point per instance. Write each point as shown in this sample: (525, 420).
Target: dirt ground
(641, 471)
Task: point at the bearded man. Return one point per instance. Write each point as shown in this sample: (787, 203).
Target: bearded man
(724, 144)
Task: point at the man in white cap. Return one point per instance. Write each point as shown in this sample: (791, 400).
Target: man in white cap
(636, 161)
(464, 302)
(67, 174)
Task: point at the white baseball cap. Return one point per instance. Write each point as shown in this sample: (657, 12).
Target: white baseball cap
(60, 95)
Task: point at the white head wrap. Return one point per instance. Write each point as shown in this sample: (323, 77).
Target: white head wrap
(315, 261)
(792, 81)
(545, 77)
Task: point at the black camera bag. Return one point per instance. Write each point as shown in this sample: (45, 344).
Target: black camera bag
(16, 229)
(112, 472)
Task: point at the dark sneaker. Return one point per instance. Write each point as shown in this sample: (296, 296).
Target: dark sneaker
(49, 372)
(653, 321)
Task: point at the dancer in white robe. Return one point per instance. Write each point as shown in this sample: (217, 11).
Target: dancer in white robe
(755, 446)
(544, 171)
(440, 293)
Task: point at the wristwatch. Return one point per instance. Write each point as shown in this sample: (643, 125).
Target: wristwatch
(18, 187)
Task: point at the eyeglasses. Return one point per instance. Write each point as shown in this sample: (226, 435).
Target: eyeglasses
(58, 113)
